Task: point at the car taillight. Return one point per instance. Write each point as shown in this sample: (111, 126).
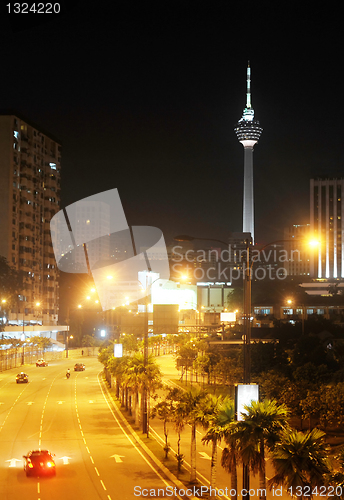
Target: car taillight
(30, 465)
(50, 464)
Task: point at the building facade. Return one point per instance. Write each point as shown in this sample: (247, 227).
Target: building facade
(30, 163)
(326, 216)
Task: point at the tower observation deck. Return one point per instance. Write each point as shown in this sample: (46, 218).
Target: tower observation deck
(248, 132)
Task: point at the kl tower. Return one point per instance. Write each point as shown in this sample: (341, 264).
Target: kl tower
(248, 132)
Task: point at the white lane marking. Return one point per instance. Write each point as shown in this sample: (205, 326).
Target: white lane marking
(131, 440)
(13, 462)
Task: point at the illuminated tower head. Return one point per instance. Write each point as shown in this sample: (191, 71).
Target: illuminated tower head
(248, 132)
(248, 129)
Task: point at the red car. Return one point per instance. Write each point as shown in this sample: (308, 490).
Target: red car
(79, 367)
(39, 463)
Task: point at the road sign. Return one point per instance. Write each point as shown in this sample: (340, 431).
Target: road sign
(204, 455)
(118, 458)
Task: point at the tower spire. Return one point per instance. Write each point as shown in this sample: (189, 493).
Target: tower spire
(248, 86)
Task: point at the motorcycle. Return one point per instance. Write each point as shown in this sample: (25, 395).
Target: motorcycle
(67, 375)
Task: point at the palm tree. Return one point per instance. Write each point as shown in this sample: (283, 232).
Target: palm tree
(132, 379)
(117, 366)
(230, 454)
(219, 413)
(166, 410)
(179, 418)
(259, 430)
(190, 405)
(300, 460)
(138, 376)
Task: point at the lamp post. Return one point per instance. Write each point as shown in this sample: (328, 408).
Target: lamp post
(145, 420)
(3, 302)
(67, 332)
(38, 308)
(145, 424)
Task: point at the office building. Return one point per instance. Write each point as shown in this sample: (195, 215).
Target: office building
(326, 216)
(30, 161)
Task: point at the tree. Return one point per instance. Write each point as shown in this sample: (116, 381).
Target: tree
(11, 284)
(336, 477)
(140, 377)
(130, 343)
(90, 341)
(42, 343)
(190, 405)
(230, 454)
(187, 355)
(179, 418)
(219, 413)
(300, 460)
(259, 430)
(165, 410)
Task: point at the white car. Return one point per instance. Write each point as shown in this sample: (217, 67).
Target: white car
(41, 362)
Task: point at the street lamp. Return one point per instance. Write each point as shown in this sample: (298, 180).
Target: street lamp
(38, 305)
(145, 420)
(3, 302)
(67, 343)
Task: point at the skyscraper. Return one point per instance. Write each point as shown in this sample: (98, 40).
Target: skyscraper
(326, 216)
(248, 132)
(29, 197)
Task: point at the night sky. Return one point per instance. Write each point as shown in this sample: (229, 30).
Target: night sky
(145, 97)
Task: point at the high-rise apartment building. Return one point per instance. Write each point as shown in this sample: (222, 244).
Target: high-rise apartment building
(326, 216)
(30, 162)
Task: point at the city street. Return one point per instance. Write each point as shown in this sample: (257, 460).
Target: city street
(95, 457)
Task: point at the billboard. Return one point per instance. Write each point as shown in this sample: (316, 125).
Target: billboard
(244, 394)
(228, 317)
(118, 350)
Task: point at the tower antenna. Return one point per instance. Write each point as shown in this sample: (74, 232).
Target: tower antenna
(248, 86)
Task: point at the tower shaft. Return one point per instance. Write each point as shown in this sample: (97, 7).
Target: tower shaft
(248, 199)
